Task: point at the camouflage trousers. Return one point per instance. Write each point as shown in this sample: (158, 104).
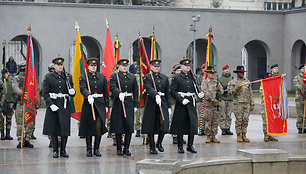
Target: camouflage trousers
(199, 107)
(9, 114)
(27, 130)
(242, 113)
(138, 118)
(299, 105)
(1, 123)
(171, 117)
(211, 119)
(226, 108)
(264, 119)
(112, 135)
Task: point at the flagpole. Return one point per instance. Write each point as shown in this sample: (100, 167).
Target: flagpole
(256, 81)
(160, 108)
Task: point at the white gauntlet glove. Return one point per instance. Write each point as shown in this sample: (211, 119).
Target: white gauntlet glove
(201, 95)
(71, 91)
(121, 97)
(169, 111)
(135, 109)
(185, 101)
(90, 99)
(54, 108)
(106, 109)
(158, 100)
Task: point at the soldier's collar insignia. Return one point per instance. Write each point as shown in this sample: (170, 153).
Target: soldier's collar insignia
(124, 73)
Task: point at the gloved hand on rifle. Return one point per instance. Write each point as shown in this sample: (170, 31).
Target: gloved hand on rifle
(158, 100)
(90, 99)
(121, 97)
(185, 101)
(54, 108)
(71, 91)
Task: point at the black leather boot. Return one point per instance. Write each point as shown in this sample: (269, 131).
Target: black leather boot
(180, 144)
(118, 144)
(190, 147)
(63, 146)
(152, 144)
(137, 133)
(97, 145)
(159, 142)
(223, 131)
(88, 146)
(55, 146)
(228, 132)
(127, 141)
(8, 136)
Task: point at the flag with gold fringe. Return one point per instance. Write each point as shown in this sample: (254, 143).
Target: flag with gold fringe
(153, 54)
(30, 93)
(276, 105)
(144, 68)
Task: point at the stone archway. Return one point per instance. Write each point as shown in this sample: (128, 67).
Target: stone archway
(92, 48)
(298, 55)
(255, 56)
(17, 47)
(201, 48)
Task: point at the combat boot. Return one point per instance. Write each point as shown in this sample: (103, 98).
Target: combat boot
(239, 138)
(8, 136)
(118, 144)
(152, 144)
(28, 144)
(266, 138)
(63, 152)
(127, 141)
(272, 138)
(208, 139)
(228, 132)
(97, 146)
(244, 138)
(137, 133)
(215, 140)
(299, 130)
(174, 140)
(180, 144)
(223, 132)
(2, 134)
(88, 146)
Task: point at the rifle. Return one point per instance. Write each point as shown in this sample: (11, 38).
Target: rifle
(118, 81)
(195, 83)
(160, 108)
(218, 94)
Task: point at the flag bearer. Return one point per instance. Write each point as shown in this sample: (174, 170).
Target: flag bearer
(57, 88)
(128, 95)
(153, 122)
(243, 103)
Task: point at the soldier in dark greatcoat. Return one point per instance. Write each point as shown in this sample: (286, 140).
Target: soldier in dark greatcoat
(57, 88)
(127, 95)
(98, 97)
(185, 119)
(152, 120)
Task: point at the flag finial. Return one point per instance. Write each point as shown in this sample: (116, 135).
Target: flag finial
(116, 36)
(4, 43)
(210, 29)
(76, 26)
(153, 29)
(106, 23)
(29, 28)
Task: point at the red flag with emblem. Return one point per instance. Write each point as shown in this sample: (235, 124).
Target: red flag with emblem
(276, 105)
(30, 93)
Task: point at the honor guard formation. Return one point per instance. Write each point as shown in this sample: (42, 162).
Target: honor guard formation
(182, 104)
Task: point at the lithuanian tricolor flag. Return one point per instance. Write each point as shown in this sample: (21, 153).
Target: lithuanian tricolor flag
(78, 69)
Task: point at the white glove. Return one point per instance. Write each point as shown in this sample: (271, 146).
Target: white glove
(106, 109)
(185, 101)
(90, 99)
(169, 111)
(121, 97)
(158, 100)
(201, 95)
(135, 109)
(54, 108)
(71, 91)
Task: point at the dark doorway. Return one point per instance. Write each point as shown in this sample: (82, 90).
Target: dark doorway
(17, 47)
(135, 50)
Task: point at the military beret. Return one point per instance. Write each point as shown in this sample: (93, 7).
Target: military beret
(177, 67)
(273, 66)
(301, 66)
(174, 65)
(203, 66)
(225, 66)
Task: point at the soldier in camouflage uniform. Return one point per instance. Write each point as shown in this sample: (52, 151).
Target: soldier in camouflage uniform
(243, 103)
(300, 98)
(2, 97)
(226, 105)
(8, 107)
(211, 88)
(267, 138)
(17, 88)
